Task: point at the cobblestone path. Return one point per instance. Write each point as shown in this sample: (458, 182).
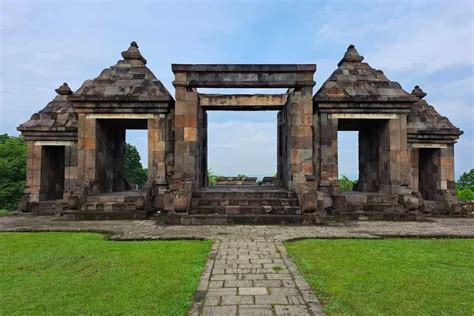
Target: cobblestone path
(251, 275)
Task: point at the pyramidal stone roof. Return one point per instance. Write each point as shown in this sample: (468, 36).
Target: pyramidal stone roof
(423, 118)
(356, 81)
(127, 81)
(57, 116)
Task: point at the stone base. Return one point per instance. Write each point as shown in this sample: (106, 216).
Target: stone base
(239, 219)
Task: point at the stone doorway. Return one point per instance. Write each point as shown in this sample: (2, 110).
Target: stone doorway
(428, 172)
(242, 147)
(373, 152)
(110, 156)
(52, 173)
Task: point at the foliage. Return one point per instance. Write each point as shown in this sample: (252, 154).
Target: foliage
(389, 277)
(466, 179)
(465, 186)
(212, 177)
(465, 195)
(345, 184)
(134, 171)
(241, 176)
(84, 274)
(12, 170)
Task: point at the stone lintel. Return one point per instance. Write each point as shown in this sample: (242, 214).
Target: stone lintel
(429, 145)
(244, 76)
(53, 143)
(258, 68)
(242, 101)
(119, 98)
(364, 116)
(125, 116)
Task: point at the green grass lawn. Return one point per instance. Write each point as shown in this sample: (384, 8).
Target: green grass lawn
(389, 277)
(4, 211)
(83, 273)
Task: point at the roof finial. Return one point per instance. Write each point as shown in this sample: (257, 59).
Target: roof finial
(351, 55)
(63, 89)
(418, 92)
(132, 53)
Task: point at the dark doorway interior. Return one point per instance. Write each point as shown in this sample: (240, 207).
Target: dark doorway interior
(52, 173)
(428, 172)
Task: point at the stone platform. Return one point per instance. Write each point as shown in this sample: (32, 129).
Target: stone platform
(241, 204)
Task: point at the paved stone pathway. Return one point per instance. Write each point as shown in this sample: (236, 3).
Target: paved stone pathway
(249, 271)
(253, 275)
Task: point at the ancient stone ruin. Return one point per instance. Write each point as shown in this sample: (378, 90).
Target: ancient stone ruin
(76, 146)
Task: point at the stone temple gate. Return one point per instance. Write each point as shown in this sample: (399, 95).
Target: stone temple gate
(76, 146)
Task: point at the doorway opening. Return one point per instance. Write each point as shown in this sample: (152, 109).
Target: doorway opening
(52, 173)
(117, 162)
(373, 154)
(242, 144)
(348, 159)
(428, 172)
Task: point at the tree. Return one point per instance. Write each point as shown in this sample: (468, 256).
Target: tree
(345, 184)
(135, 174)
(12, 170)
(466, 180)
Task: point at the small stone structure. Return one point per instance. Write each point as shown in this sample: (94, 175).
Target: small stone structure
(76, 146)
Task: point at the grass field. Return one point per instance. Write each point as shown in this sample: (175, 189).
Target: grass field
(4, 211)
(82, 273)
(389, 277)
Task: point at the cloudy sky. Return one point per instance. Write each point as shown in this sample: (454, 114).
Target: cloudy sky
(429, 43)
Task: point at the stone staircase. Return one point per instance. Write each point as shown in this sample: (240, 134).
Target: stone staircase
(356, 205)
(111, 206)
(241, 204)
(52, 207)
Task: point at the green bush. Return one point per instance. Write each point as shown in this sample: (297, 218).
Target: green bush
(345, 184)
(212, 177)
(465, 186)
(12, 170)
(465, 195)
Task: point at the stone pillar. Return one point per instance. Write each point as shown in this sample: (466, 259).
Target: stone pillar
(414, 170)
(157, 149)
(446, 169)
(328, 154)
(33, 171)
(185, 177)
(394, 167)
(86, 151)
(300, 147)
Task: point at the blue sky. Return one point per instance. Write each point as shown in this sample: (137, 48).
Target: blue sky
(429, 43)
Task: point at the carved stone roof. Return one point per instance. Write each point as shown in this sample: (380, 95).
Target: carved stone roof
(356, 81)
(424, 119)
(127, 81)
(57, 116)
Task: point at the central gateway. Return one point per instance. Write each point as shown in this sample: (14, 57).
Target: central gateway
(295, 134)
(75, 146)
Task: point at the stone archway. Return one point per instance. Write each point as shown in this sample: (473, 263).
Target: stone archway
(295, 158)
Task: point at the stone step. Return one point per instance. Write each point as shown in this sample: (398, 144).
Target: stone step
(109, 206)
(379, 216)
(99, 215)
(244, 201)
(112, 198)
(240, 210)
(53, 207)
(243, 194)
(239, 219)
(372, 207)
